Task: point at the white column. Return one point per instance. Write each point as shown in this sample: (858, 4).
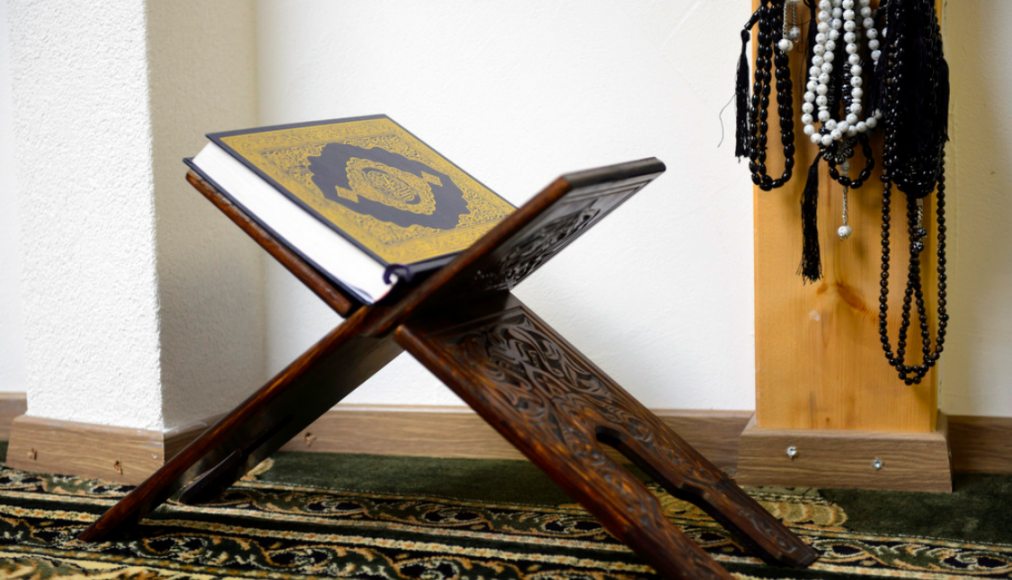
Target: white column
(12, 363)
(142, 306)
(210, 274)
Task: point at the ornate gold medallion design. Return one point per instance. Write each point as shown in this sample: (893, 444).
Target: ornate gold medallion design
(390, 186)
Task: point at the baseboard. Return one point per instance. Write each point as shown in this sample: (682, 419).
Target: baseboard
(117, 454)
(978, 444)
(841, 458)
(459, 432)
(981, 444)
(11, 406)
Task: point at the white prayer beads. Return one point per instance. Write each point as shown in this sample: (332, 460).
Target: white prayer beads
(834, 16)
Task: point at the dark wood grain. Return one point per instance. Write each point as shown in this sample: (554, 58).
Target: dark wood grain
(298, 395)
(520, 376)
(559, 409)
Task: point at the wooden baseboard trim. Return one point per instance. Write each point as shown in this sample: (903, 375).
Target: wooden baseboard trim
(981, 444)
(119, 454)
(841, 458)
(459, 432)
(11, 406)
(978, 444)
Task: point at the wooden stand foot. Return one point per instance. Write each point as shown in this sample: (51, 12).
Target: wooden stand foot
(845, 458)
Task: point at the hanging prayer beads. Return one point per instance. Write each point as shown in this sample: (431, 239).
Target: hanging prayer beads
(868, 70)
(752, 129)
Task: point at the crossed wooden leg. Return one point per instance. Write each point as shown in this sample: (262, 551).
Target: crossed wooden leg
(557, 407)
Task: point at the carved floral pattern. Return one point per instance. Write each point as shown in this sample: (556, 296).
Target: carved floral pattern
(544, 395)
(547, 236)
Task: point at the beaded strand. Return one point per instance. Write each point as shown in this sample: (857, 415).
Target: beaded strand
(917, 171)
(833, 17)
(770, 19)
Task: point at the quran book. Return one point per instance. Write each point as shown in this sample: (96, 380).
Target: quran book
(364, 201)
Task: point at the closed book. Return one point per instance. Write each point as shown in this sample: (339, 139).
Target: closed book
(363, 200)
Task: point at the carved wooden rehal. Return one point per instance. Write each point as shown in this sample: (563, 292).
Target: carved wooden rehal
(522, 377)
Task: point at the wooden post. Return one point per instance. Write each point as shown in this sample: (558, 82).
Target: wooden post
(820, 370)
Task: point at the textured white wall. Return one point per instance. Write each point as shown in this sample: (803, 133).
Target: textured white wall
(514, 92)
(12, 350)
(977, 365)
(210, 274)
(87, 214)
(660, 294)
(143, 304)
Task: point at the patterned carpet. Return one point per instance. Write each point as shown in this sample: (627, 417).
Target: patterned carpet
(376, 517)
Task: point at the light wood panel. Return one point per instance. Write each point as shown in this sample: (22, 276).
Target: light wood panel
(838, 458)
(819, 362)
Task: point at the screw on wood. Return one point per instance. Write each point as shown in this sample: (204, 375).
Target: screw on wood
(792, 452)
(309, 438)
(118, 467)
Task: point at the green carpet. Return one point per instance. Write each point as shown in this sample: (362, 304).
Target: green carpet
(395, 517)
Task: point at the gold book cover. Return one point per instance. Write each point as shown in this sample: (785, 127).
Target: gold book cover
(374, 183)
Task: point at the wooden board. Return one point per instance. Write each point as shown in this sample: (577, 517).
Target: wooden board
(11, 406)
(837, 458)
(459, 432)
(819, 361)
(119, 454)
(342, 302)
(981, 444)
(978, 444)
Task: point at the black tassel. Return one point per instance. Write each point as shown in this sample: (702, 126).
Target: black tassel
(741, 100)
(811, 261)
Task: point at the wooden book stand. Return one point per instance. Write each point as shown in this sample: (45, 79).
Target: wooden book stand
(524, 379)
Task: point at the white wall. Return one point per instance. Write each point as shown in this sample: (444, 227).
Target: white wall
(83, 156)
(202, 70)
(12, 350)
(660, 294)
(143, 304)
(977, 365)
